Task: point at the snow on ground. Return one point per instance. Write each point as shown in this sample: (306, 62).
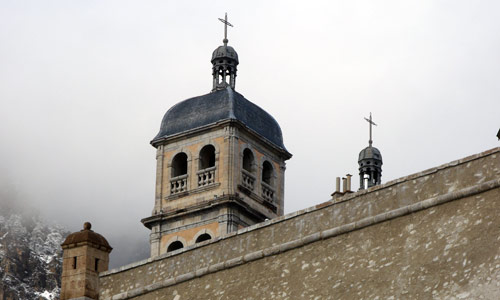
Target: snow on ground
(49, 295)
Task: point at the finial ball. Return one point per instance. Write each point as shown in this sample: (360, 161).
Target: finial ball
(87, 226)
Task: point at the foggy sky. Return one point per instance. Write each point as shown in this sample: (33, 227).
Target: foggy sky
(84, 86)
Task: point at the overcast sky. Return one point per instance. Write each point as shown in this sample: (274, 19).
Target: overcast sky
(84, 86)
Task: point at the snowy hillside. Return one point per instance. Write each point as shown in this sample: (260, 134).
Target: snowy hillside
(30, 258)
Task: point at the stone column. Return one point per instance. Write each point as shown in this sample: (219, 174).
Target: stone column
(159, 180)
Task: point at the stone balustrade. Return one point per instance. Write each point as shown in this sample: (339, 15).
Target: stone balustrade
(248, 179)
(178, 184)
(206, 176)
(267, 192)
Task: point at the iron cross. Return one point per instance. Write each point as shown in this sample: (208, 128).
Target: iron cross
(226, 23)
(371, 123)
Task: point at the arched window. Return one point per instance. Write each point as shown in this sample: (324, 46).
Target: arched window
(248, 160)
(207, 157)
(203, 237)
(175, 246)
(179, 164)
(248, 179)
(267, 172)
(206, 173)
(267, 181)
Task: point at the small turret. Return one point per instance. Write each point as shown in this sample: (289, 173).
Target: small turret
(370, 163)
(370, 167)
(85, 254)
(224, 63)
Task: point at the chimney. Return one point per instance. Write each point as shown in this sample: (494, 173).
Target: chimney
(337, 192)
(348, 183)
(346, 186)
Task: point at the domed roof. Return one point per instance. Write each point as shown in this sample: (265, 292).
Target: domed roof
(225, 51)
(370, 153)
(87, 236)
(227, 104)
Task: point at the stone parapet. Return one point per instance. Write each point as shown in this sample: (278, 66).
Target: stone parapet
(467, 178)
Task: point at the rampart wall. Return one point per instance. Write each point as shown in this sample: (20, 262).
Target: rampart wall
(434, 234)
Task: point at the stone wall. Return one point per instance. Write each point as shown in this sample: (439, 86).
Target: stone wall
(79, 274)
(431, 234)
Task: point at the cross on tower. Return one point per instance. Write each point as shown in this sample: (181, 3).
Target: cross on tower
(371, 123)
(226, 23)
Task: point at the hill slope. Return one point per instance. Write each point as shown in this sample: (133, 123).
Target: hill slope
(30, 258)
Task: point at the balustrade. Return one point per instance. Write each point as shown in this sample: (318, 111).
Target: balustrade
(178, 184)
(206, 176)
(267, 192)
(248, 179)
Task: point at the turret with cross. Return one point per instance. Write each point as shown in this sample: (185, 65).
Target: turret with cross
(370, 162)
(224, 63)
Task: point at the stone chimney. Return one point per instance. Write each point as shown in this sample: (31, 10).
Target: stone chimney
(346, 186)
(85, 254)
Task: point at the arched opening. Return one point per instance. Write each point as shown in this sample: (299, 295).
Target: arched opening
(179, 164)
(207, 157)
(206, 173)
(203, 237)
(248, 160)
(248, 178)
(175, 246)
(267, 173)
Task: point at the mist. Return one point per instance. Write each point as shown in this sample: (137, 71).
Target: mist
(84, 86)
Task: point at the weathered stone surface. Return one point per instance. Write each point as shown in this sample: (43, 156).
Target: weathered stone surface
(434, 234)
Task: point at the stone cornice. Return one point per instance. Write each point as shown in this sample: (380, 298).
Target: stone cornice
(221, 200)
(283, 152)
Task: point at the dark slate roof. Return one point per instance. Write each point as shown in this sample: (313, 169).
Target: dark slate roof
(218, 106)
(370, 153)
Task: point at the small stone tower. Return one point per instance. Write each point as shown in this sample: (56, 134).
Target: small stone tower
(85, 254)
(370, 163)
(220, 164)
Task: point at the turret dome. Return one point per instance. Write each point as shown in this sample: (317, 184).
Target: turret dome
(371, 153)
(88, 236)
(226, 52)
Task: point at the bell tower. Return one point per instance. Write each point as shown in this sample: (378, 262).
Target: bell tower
(220, 163)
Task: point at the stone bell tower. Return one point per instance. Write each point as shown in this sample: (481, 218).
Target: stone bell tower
(85, 254)
(220, 163)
